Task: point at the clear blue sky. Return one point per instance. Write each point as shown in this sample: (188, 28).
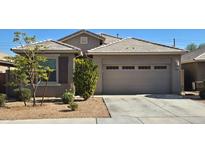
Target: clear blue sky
(164, 36)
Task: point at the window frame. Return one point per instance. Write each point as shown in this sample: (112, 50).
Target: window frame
(54, 56)
(128, 67)
(81, 40)
(112, 67)
(160, 67)
(144, 67)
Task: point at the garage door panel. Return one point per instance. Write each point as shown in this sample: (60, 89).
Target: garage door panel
(136, 61)
(136, 81)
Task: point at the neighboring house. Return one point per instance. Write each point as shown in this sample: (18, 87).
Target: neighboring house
(3, 63)
(126, 66)
(4, 66)
(193, 64)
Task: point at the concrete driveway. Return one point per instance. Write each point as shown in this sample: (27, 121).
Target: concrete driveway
(151, 109)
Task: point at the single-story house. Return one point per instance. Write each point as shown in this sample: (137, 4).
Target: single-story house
(193, 64)
(126, 66)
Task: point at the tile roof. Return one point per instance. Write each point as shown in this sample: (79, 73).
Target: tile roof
(201, 57)
(110, 38)
(50, 46)
(3, 55)
(80, 32)
(194, 56)
(3, 60)
(6, 63)
(134, 46)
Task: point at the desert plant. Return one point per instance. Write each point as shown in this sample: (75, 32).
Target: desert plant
(73, 106)
(2, 100)
(23, 94)
(85, 77)
(68, 97)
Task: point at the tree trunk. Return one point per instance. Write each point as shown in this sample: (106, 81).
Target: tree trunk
(44, 92)
(20, 91)
(25, 103)
(34, 94)
(34, 98)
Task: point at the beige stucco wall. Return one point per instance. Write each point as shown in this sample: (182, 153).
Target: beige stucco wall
(176, 85)
(196, 70)
(173, 61)
(75, 41)
(2, 57)
(56, 89)
(193, 72)
(190, 75)
(52, 91)
(3, 69)
(201, 71)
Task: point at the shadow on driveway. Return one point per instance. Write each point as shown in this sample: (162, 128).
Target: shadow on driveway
(164, 96)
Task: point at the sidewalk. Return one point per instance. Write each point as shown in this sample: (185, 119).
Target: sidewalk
(52, 121)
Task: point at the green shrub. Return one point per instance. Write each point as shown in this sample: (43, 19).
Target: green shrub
(73, 106)
(68, 97)
(86, 95)
(2, 100)
(23, 95)
(85, 77)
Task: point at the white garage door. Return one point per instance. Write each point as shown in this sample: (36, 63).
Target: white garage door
(134, 79)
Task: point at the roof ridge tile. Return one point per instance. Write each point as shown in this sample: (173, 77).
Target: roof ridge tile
(105, 45)
(111, 35)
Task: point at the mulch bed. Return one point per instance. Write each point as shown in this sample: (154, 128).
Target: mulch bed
(91, 108)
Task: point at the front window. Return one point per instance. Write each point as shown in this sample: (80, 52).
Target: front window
(51, 63)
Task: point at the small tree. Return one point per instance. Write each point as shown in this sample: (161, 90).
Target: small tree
(48, 71)
(30, 63)
(201, 45)
(19, 76)
(191, 47)
(85, 77)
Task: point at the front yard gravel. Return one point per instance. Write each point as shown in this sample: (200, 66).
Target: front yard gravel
(91, 108)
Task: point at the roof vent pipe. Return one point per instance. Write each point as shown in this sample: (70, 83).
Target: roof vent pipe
(174, 42)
